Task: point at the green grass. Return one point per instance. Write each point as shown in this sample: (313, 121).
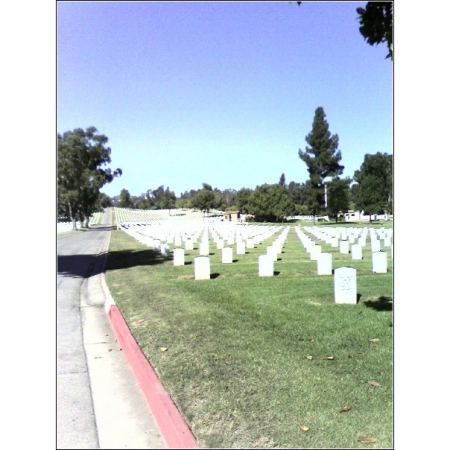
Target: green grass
(237, 344)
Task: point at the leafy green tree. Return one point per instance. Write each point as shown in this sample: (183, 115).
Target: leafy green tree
(104, 201)
(321, 158)
(271, 203)
(168, 200)
(204, 200)
(125, 199)
(242, 200)
(282, 181)
(155, 196)
(376, 21)
(298, 193)
(338, 194)
(82, 155)
(374, 180)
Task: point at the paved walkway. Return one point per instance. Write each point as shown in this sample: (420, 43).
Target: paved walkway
(99, 402)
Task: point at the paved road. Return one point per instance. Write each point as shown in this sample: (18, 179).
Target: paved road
(99, 403)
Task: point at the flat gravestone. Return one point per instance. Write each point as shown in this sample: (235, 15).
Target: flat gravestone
(379, 262)
(324, 264)
(227, 255)
(178, 257)
(265, 266)
(345, 285)
(202, 268)
(357, 251)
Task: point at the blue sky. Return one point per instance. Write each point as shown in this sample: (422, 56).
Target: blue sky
(219, 92)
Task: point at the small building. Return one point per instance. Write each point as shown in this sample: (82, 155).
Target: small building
(231, 216)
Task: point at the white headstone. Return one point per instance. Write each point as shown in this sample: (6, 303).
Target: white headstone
(316, 250)
(178, 257)
(357, 251)
(344, 247)
(335, 242)
(375, 245)
(345, 285)
(165, 249)
(227, 255)
(240, 248)
(379, 262)
(250, 243)
(202, 268)
(156, 244)
(324, 264)
(189, 244)
(265, 266)
(272, 252)
(204, 248)
(219, 244)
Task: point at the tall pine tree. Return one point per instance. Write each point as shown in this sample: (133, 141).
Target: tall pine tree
(322, 158)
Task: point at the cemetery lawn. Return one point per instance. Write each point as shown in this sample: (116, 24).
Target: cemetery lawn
(251, 359)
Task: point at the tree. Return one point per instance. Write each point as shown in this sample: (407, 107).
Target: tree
(338, 194)
(242, 199)
(168, 200)
(271, 203)
(204, 200)
(125, 199)
(376, 21)
(81, 157)
(282, 181)
(322, 159)
(375, 184)
(376, 24)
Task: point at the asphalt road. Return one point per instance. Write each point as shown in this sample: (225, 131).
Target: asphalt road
(99, 403)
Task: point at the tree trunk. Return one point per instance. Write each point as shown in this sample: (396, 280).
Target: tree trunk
(72, 218)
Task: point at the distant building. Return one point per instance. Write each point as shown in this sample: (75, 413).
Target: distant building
(231, 216)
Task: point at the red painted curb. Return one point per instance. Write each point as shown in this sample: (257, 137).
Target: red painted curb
(171, 424)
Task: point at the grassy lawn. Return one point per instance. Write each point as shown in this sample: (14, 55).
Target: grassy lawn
(248, 359)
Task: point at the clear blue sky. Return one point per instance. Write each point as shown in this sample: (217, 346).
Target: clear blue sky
(219, 92)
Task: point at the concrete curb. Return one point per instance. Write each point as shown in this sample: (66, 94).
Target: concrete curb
(172, 426)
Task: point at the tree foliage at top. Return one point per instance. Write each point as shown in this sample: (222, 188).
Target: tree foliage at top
(82, 155)
(376, 21)
(322, 158)
(376, 24)
(374, 178)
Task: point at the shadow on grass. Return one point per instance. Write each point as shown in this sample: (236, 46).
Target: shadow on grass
(382, 304)
(235, 260)
(213, 276)
(187, 263)
(125, 259)
(276, 273)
